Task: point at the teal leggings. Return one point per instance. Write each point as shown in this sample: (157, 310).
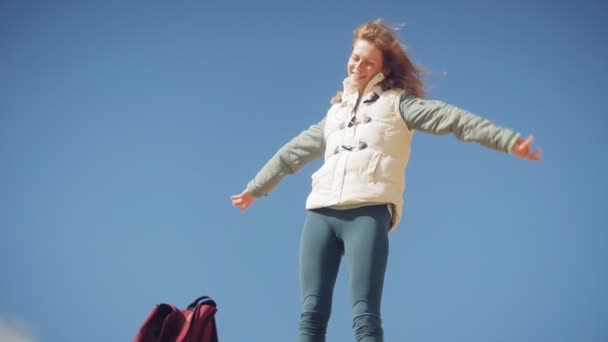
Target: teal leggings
(361, 235)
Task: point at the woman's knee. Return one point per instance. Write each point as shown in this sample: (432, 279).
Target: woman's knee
(366, 321)
(315, 315)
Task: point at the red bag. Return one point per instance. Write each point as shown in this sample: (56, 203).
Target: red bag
(167, 323)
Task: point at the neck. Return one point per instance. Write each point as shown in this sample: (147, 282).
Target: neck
(361, 89)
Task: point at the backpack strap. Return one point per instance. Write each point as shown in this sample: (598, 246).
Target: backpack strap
(200, 322)
(200, 301)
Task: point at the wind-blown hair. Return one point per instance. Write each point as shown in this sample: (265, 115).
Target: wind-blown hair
(399, 72)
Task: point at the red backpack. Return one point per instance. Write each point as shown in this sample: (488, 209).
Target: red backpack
(167, 323)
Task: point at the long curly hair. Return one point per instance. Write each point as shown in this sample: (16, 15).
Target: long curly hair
(400, 72)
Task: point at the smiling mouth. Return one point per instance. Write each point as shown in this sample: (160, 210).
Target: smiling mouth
(357, 76)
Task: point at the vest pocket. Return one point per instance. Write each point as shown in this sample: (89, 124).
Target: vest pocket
(318, 176)
(315, 178)
(383, 168)
(374, 168)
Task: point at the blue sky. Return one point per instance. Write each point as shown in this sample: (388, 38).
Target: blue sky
(126, 126)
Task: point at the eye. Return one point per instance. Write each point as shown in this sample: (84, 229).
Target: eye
(368, 64)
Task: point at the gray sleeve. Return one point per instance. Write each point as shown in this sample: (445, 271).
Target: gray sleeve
(440, 118)
(305, 147)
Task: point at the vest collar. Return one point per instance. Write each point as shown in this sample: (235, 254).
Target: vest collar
(373, 86)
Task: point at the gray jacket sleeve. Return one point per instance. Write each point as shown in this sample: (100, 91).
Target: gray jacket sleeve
(440, 118)
(305, 147)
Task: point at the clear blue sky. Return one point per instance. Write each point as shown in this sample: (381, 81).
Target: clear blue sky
(126, 126)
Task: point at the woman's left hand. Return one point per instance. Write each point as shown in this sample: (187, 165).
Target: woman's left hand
(522, 149)
(243, 200)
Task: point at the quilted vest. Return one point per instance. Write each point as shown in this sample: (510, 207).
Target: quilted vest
(367, 150)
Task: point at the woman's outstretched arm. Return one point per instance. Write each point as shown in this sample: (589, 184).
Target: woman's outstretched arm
(304, 148)
(440, 118)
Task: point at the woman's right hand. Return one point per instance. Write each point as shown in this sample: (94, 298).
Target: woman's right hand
(242, 200)
(523, 149)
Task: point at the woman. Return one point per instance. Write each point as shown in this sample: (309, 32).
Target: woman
(357, 194)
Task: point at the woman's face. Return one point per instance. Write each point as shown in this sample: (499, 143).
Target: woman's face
(364, 63)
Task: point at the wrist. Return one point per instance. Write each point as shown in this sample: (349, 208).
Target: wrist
(514, 142)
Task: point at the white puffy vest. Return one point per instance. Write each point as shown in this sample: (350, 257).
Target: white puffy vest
(367, 150)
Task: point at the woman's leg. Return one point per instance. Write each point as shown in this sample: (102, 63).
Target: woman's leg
(366, 253)
(320, 254)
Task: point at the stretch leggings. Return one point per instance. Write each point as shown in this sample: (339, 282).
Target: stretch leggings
(361, 235)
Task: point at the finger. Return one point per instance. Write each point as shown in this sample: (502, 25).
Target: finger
(527, 143)
(531, 138)
(536, 154)
(531, 155)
